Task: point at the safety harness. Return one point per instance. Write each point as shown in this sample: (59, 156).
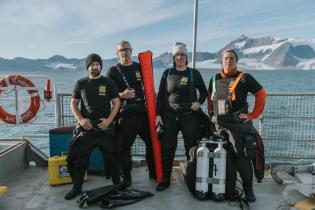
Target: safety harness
(231, 89)
(123, 77)
(133, 103)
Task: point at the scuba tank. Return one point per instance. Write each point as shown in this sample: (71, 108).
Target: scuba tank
(206, 173)
(219, 172)
(202, 172)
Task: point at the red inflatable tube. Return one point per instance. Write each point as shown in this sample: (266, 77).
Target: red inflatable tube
(145, 59)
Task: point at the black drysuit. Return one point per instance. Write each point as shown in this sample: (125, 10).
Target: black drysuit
(94, 96)
(177, 92)
(133, 118)
(226, 110)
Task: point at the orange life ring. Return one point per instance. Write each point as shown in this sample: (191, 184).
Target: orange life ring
(34, 106)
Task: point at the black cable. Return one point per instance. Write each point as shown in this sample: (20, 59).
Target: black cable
(238, 198)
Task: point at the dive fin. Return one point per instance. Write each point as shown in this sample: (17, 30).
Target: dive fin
(91, 196)
(126, 197)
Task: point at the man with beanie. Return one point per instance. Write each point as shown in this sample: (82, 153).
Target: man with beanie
(95, 94)
(178, 107)
(132, 118)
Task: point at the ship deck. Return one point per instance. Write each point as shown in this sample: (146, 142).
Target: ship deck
(29, 190)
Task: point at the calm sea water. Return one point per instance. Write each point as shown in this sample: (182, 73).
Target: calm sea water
(275, 81)
(272, 81)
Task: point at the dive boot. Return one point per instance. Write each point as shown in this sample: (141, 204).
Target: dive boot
(115, 178)
(73, 193)
(127, 179)
(152, 174)
(250, 196)
(163, 185)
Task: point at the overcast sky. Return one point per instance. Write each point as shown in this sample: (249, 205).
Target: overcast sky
(75, 28)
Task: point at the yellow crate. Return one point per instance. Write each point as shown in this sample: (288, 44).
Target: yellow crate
(58, 171)
(308, 204)
(3, 190)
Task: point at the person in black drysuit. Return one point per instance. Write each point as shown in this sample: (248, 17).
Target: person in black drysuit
(228, 108)
(178, 108)
(95, 94)
(133, 118)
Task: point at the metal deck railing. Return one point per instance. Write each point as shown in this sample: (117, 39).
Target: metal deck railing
(287, 126)
(16, 99)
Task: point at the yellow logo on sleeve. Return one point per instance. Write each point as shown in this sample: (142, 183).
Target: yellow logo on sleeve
(102, 90)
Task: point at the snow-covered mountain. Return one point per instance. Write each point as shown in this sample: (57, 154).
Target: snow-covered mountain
(254, 53)
(259, 53)
(273, 53)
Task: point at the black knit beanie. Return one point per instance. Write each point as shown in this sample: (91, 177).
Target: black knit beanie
(93, 58)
